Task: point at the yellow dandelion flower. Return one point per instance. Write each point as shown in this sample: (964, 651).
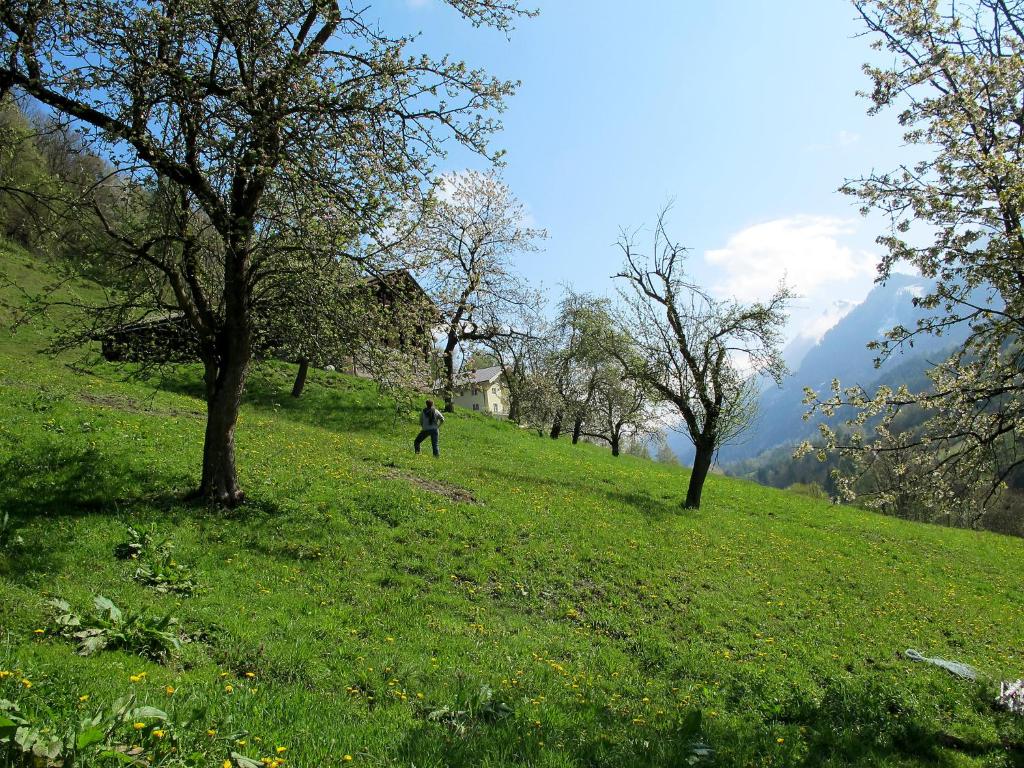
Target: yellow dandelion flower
(26, 682)
(779, 740)
(347, 758)
(226, 764)
(138, 726)
(250, 674)
(281, 750)
(240, 742)
(84, 697)
(229, 688)
(211, 732)
(158, 734)
(170, 689)
(39, 631)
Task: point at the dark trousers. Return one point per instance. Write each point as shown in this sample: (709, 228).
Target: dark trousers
(423, 435)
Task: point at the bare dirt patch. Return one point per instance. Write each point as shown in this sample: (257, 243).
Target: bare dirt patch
(129, 405)
(453, 492)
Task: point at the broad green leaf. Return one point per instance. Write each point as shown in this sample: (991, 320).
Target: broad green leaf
(89, 645)
(141, 713)
(104, 605)
(50, 749)
(89, 736)
(25, 737)
(8, 726)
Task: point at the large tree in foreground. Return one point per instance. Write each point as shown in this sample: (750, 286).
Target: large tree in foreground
(265, 116)
(956, 78)
(700, 354)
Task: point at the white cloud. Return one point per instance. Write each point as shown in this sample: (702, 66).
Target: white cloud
(842, 140)
(847, 138)
(816, 326)
(811, 254)
(806, 251)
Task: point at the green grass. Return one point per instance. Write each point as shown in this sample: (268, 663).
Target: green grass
(355, 610)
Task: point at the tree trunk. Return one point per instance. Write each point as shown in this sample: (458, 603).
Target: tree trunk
(513, 408)
(449, 380)
(224, 387)
(701, 465)
(227, 365)
(300, 377)
(556, 426)
(577, 429)
(615, 446)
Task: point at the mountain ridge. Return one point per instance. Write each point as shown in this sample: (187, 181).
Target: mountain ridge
(841, 353)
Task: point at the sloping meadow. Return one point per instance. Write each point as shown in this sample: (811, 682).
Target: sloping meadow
(519, 601)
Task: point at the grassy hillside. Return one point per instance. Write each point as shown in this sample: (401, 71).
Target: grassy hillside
(517, 602)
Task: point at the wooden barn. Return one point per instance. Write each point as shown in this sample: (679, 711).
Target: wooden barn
(407, 314)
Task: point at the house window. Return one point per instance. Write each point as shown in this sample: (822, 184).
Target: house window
(476, 406)
(495, 406)
(476, 391)
(494, 390)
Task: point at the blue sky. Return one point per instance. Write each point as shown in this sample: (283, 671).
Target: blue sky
(744, 113)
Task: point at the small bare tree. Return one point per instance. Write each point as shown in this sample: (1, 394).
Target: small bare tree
(517, 351)
(701, 354)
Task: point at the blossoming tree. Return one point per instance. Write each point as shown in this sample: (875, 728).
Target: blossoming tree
(248, 109)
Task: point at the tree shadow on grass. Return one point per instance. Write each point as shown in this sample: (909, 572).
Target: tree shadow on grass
(39, 482)
(42, 481)
(30, 561)
(864, 725)
(516, 742)
(853, 724)
(340, 403)
(653, 508)
(52, 482)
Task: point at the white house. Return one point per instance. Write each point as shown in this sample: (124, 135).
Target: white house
(482, 390)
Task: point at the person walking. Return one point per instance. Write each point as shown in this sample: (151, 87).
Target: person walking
(430, 420)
